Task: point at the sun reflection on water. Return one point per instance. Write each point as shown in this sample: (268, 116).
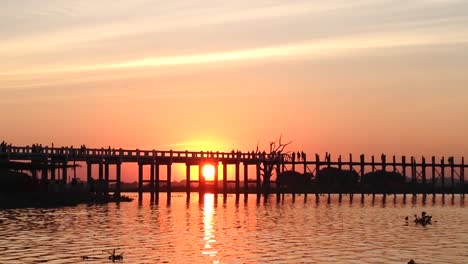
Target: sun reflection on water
(208, 227)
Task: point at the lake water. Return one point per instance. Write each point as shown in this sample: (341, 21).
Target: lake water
(251, 232)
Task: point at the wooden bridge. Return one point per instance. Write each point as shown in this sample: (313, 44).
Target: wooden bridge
(47, 160)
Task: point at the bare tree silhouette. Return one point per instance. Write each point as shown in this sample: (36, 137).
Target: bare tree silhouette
(269, 161)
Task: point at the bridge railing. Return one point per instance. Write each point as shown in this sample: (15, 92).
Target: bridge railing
(128, 153)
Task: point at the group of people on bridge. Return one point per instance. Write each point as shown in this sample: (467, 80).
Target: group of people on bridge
(5, 147)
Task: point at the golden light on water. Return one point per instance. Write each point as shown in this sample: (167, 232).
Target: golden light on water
(208, 226)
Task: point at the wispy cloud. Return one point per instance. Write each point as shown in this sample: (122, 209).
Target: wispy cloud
(311, 49)
(76, 34)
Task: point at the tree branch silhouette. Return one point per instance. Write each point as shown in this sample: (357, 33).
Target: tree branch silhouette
(270, 160)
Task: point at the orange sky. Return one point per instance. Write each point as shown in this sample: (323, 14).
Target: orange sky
(338, 76)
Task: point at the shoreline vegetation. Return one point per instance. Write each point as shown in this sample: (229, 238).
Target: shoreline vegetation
(19, 190)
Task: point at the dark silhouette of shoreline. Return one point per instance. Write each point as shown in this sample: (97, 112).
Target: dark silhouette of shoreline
(19, 190)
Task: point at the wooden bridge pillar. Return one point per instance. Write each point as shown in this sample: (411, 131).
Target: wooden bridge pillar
(169, 182)
(237, 180)
(442, 175)
(89, 176)
(65, 172)
(106, 178)
(33, 172)
(151, 183)
(394, 163)
(304, 159)
(278, 187)
(157, 181)
(225, 185)
(187, 181)
(100, 171)
(259, 182)
(118, 179)
(403, 172)
(452, 175)
(462, 176)
(52, 171)
(373, 163)
(44, 173)
(424, 180)
(433, 178)
(306, 190)
(340, 167)
(246, 181)
(413, 177)
(216, 180)
(384, 162)
(351, 168)
(293, 161)
(201, 183)
(362, 161)
(140, 181)
(317, 170)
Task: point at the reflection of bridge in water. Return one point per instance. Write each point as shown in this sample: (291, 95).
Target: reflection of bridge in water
(436, 176)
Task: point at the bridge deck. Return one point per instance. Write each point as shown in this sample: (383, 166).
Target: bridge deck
(59, 158)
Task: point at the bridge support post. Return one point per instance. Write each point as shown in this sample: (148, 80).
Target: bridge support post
(340, 167)
(246, 181)
(363, 168)
(384, 162)
(373, 163)
(304, 160)
(89, 176)
(462, 177)
(442, 175)
(64, 172)
(278, 187)
(293, 162)
(216, 180)
(423, 167)
(140, 181)
(106, 178)
(201, 184)
(44, 174)
(187, 181)
(413, 178)
(452, 176)
(317, 170)
(225, 187)
(151, 183)
(351, 192)
(237, 181)
(34, 171)
(259, 183)
(101, 178)
(384, 169)
(100, 171)
(433, 178)
(52, 171)
(157, 181)
(403, 172)
(169, 182)
(118, 179)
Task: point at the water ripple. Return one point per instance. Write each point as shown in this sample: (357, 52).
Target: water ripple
(214, 232)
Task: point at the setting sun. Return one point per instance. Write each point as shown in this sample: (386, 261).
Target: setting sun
(208, 172)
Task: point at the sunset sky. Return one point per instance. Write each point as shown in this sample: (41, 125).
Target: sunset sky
(364, 76)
